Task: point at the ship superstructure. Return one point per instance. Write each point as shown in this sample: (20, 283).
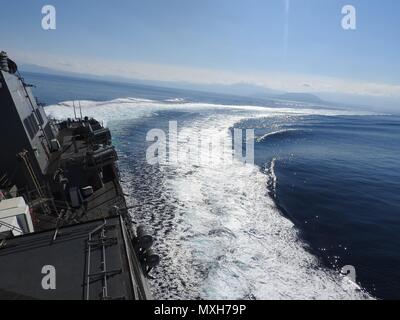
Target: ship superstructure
(61, 198)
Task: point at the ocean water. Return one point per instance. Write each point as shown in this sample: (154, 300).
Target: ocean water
(322, 194)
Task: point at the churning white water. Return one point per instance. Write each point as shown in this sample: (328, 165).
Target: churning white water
(218, 231)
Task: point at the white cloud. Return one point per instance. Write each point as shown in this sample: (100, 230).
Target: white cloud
(271, 80)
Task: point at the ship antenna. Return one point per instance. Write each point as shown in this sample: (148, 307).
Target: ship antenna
(73, 104)
(80, 109)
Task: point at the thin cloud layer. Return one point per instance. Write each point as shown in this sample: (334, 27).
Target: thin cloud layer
(158, 72)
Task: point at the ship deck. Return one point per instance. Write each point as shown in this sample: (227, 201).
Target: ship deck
(92, 261)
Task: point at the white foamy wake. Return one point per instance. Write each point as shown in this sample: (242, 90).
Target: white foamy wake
(133, 108)
(235, 229)
(228, 240)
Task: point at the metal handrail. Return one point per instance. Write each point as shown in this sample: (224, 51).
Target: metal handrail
(11, 227)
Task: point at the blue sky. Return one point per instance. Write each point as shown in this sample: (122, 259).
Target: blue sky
(216, 41)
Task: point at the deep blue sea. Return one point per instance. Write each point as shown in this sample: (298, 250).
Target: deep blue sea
(324, 192)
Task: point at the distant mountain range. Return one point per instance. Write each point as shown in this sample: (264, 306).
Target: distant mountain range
(300, 97)
(237, 89)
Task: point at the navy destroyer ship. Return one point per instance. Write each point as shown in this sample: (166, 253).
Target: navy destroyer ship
(65, 229)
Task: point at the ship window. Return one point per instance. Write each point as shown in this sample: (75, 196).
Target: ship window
(28, 127)
(31, 125)
(34, 123)
(39, 116)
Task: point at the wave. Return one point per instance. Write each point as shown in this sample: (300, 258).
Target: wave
(272, 182)
(266, 258)
(220, 234)
(279, 133)
(132, 108)
(175, 100)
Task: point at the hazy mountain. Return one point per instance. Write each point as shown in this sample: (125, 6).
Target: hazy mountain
(237, 89)
(300, 97)
(241, 89)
